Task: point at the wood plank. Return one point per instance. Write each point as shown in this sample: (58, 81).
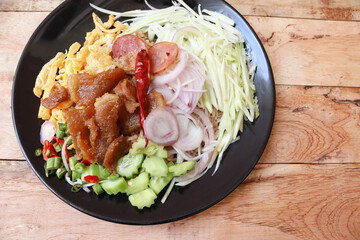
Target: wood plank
(301, 52)
(283, 201)
(316, 9)
(13, 38)
(315, 125)
(310, 52)
(29, 5)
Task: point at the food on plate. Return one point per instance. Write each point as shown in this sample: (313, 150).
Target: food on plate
(145, 104)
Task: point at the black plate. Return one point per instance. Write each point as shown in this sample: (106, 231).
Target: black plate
(69, 23)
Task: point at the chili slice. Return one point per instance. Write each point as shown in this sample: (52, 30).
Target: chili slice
(86, 162)
(91, 179)
(50, 147)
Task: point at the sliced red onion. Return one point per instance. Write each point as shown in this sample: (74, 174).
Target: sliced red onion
(63, 153)
(47, 131)
(161, 126)
(191, 135)
(190, 78)
(173, 71)
(204, 118)
(209, 140)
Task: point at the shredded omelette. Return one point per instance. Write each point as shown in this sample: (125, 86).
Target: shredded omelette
(92, 58)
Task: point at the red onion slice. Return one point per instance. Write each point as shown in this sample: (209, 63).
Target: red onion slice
(63, 153)
(203, 164)
(47, 131)
(161, 126)
(191, 78)
(191, 135)
(173, 71)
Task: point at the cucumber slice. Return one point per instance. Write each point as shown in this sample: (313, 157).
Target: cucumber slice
(129, 165)
(150, 150)
(181, 168)
(94, 170)
(86, 172)
(114, 187)
(138, 184)
(156, 166)
(97, 189)
(104, 173)
(157, 184)
(142, 199)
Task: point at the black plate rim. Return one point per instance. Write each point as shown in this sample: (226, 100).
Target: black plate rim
(231, 189)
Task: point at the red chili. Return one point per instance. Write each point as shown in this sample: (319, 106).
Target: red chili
(67, 154)
(91, 179)
(57, 140)
(86, 162)
(50, 147)
(142, 77)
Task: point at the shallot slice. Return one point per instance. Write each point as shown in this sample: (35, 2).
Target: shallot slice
(47, 131)
(161, 126)
(191, 134)
(63, 153)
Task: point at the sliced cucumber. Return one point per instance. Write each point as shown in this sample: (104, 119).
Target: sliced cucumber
(157, 184)
(115, 186)
(181, 168)
(129, 165)
(156, 166)
(138, 184)
(142, 199)
(150, 150)
(98, 189)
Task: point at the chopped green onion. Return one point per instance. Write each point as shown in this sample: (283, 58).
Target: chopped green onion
(48, 152)
(72, 163)
(53, 163)
(38, 152)
(68, 142)
(76, 188)
(60, 172)
(80, 167)
(63, 127)
(60, 134)
(58, 147)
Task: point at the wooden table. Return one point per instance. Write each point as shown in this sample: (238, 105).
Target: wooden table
(305, 186)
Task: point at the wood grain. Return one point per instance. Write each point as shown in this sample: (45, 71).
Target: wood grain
(317, 9)
(309, 52)
(315, 125)
(13, 38)
(288, 201)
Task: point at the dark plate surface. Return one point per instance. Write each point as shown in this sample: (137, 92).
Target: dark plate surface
(69, 23)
